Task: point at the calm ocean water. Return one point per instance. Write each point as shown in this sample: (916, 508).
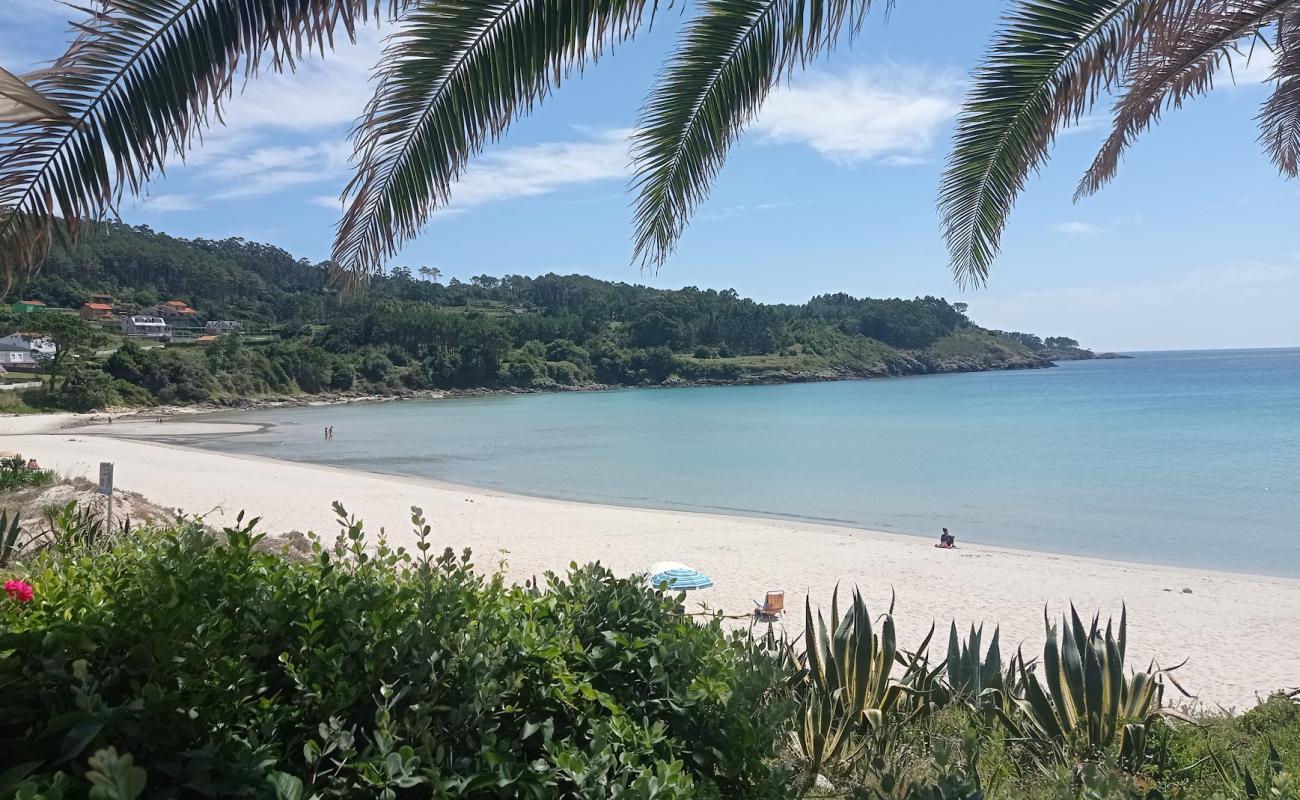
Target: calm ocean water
(1180, 458)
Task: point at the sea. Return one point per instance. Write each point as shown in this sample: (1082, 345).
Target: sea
(1188, 458)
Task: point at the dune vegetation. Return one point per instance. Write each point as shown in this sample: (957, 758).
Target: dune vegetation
(186, 662)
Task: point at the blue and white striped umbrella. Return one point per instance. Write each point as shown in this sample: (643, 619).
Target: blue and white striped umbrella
(678, 576)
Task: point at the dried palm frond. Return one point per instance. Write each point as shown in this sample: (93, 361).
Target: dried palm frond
(1176, 66)
(1279, 120)
(19, 103)
(731, 56)
(139, 82)
(454, 77)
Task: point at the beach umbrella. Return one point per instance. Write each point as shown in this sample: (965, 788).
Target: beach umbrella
(678, 576)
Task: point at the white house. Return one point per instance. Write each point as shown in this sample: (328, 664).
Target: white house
(148, 327)
(221, 326)
(19, 353)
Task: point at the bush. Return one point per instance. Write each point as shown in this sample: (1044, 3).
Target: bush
(86, 388)
(224, 671)
(14, 474)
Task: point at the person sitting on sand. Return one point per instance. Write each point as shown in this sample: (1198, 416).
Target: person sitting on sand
(947, 539)
(31, 464)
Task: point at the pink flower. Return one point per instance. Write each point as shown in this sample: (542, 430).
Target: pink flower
(20, 590)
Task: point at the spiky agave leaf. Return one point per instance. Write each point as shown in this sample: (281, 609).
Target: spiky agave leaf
(139, 81)
(1279, 120)
(1175, 66)
(454, 77)
(1043, 72)
(731, 55)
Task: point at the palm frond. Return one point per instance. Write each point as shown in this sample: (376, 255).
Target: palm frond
(731, 56)
(139, 81)
(1179, 65)
(454, 77)
(1044, 71)
(20, 103)
(1279, 120)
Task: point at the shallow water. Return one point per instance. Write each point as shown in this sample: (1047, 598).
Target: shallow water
(1186, 458)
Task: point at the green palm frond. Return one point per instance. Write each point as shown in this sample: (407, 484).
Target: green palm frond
(1181, 64)
(731, 56)
(454, 77)
(1043, 72)
(1279, 120)
(138, 83)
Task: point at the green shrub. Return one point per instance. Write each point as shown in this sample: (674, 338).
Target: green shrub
(224, 671)
(14, 474)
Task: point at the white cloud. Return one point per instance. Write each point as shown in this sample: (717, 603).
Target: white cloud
(1076, 228)
(170, 202)
(1253, 67)
(268, 170)
(532, 170)
(888, 115)
(732, 212)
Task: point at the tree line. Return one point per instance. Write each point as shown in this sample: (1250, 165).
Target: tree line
(408, 330)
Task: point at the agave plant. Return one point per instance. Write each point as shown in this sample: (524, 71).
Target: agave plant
(1084, 703)
(1052, 61)
(846, 679)
(11, 531)
(970, 678)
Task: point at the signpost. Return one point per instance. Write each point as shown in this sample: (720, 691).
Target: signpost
(106, 488)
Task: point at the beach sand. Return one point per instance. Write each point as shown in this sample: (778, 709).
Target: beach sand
(1232, 629)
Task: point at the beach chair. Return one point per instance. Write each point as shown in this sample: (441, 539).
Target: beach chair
(772, 607)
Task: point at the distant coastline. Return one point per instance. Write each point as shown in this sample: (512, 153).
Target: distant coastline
(773, 378)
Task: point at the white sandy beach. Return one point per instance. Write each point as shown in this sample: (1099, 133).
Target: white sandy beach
(1233, 629)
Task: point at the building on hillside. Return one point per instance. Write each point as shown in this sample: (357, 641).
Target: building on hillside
(17, 352)
(97, 312)
(172, 309)
(27, 306)
(219, 326)
(106, 299)
(149, 327)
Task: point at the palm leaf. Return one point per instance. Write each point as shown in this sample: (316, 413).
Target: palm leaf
(1179, 65)
(139, 82)
(1279, 120)
(454, 77)
(1043, 72)
(20, 103)
(731, 56)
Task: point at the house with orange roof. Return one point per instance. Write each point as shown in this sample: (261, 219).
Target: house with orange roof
(171, 308)
(96, 312)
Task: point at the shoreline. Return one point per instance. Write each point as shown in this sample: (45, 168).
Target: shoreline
(775, 378)
(1224, 617)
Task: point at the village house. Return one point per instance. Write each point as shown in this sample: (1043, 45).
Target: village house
(22, 354)
(96, 312)
(172, 309)
(219, 326)
(27, 306)
(149, 327)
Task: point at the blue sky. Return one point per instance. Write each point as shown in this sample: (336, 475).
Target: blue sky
(832, 189)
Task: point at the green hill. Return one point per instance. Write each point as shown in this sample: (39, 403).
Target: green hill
(408, 331)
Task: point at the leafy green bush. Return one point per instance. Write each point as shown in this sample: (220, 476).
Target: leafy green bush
(14, 474)
(224, 671)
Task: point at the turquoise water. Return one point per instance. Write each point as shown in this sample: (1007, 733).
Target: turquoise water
(1185, 458)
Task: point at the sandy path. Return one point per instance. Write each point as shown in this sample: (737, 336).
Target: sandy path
(1238, 631)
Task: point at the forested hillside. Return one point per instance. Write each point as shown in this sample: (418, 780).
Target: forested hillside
(411, 331)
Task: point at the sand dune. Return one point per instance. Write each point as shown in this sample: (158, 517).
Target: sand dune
(1232, 628)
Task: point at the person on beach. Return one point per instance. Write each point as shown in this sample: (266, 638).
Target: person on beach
(947, 539)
